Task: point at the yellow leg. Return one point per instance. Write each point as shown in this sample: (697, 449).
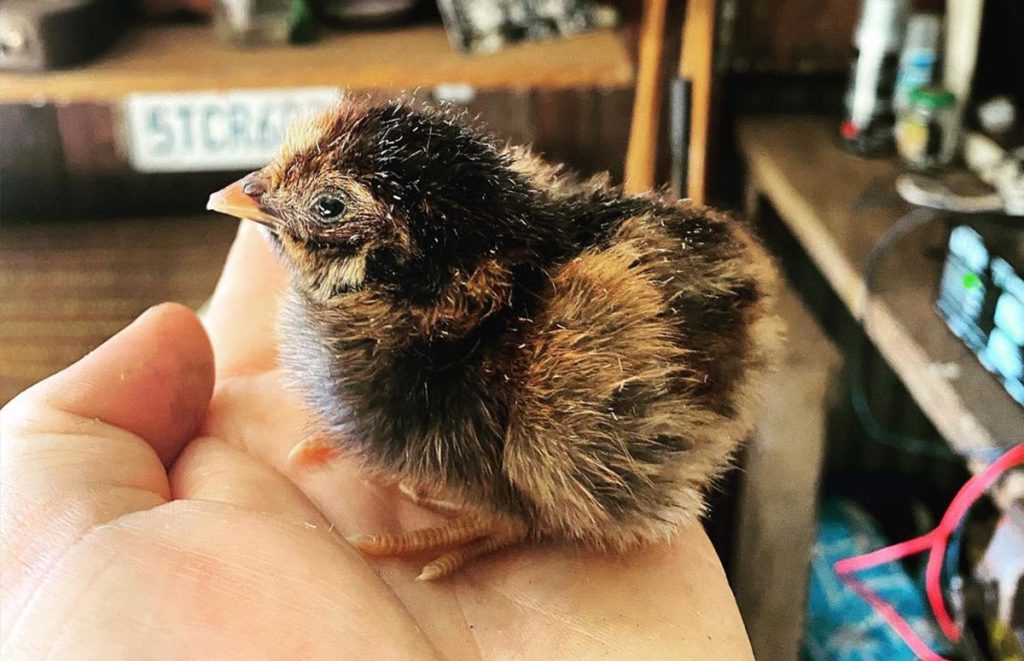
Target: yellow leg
(458, 531)
(423, 499)
(464, 538)
(448, 563)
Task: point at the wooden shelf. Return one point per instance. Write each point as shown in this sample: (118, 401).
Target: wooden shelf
(821, 192)
(181, 58)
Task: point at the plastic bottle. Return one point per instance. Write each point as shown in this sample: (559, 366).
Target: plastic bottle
(868, 126)
(918, 58)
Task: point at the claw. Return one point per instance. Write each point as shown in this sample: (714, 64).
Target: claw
(450, 562)
(430, 573)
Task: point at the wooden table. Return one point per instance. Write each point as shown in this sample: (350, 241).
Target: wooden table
(837, 206)
(65, 287)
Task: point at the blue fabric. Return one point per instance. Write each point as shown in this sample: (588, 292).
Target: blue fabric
(840, 625)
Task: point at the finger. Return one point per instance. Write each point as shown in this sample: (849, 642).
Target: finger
(243, 310)
(212, 470)
(153, 379)
(260, 417)
(660, 601)
(90, 443)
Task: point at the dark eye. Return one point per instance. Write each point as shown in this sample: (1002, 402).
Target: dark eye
(328, 207)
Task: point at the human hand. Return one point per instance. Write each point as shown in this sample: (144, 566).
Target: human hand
(144, 518)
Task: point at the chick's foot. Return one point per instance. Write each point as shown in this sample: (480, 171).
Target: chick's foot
(313, 453)
(463, 538)
(448, 563)
(424, 499)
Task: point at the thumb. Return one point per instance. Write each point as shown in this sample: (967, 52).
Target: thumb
(153, 380)
(91, 443)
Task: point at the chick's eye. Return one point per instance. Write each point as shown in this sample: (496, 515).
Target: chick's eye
(328, 207)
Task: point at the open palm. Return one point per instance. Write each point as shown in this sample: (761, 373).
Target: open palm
(144, 519)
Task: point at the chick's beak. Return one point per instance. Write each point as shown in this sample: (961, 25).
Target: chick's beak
(241, 199)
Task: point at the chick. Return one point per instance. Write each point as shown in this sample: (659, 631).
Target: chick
(540, 357)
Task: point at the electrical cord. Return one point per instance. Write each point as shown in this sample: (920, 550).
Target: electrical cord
(943, 542)
(927, 446)
(935, 543)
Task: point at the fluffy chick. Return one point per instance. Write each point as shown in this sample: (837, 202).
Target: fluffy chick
(548, 357)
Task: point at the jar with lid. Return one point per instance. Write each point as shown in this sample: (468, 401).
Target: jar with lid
(252, 22)
(927, 130)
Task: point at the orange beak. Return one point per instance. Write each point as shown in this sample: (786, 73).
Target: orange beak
(240, 200)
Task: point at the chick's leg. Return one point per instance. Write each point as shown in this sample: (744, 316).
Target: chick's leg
(448, 563)
(465, 538)
(457, 531)
(422, 497)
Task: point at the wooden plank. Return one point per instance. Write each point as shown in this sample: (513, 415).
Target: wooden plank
(508, 113)
(641, 156)
(838, 205)
(610, 139)
(794, 36)
(696, 66)
(778, 500)
(183, 58)
(67, 287)
(558, 122)
(89, 139)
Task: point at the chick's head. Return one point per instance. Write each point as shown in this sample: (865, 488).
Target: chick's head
(363, 192)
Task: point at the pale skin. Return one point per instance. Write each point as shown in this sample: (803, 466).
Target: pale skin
(149, 511)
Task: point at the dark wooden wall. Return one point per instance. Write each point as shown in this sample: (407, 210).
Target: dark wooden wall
(798, 36)
(792, 36)
(69, 161)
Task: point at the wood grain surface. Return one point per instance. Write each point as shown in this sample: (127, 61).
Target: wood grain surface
(696, 64)
(641, 155)
(189, 57)
(778, 497)
(66, 287)
(838, 205)
(794, 36)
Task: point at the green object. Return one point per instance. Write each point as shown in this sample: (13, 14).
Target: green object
(932, 98)
(928, 128)
(971, 281)
(301, 24)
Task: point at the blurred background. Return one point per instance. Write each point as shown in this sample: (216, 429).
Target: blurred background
(875, 145)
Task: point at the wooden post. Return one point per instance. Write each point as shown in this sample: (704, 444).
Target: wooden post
(643, 132)
(778, 499)
(696, 65)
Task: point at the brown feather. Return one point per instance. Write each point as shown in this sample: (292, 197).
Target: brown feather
(542, 349)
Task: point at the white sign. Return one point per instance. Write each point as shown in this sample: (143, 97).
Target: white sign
(210, 131)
